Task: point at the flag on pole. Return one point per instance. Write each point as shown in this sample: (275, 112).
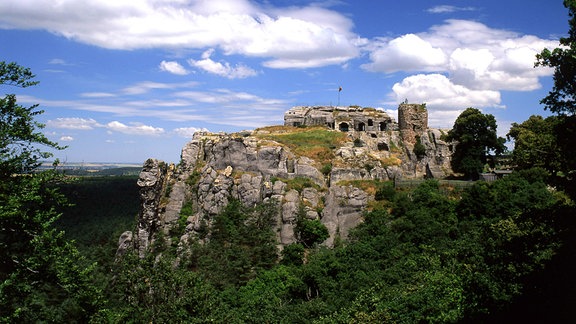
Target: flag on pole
(339, 89)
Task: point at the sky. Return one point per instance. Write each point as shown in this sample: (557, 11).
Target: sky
(127, 80)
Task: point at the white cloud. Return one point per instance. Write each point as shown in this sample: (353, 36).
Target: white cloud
(97, 95)
(305, 36)
(134, 129)
(470, 53)
(438, 90)
(225, 97)
(173, 67)
(448, 9)
(239, 71)
(57, 61)
(406, 53)
(146, 86)
(66, 138)
(73, 123)
(188, 132)
(90, 124)
(443, 97)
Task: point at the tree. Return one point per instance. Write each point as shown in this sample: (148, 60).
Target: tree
(562, 97)
(309, 231)
(42, 276)
(475, 137)
(536, 144)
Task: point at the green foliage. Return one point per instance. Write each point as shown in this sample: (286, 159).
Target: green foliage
(316, 143)
(241, 243)
(561, 99)
(102, 208)
(419, 148)
(547, 143)
(536, 143)
(153, 290)
(309, 232)
(385, 191)
(43, 278)
(326, 169)
(475, 136)
(293, 254)
(428, 257)
(298, 183)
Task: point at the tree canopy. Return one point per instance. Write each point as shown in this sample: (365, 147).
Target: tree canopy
(562, 98)
(475, 136)
(42, 276)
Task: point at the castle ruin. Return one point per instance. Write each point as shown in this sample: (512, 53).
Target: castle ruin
(412, 119)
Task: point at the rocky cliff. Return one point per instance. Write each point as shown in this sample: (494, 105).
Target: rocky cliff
(317, 167)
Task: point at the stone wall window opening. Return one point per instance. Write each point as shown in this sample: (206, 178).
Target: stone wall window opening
(382, 126)
(370, 122)
(361, 127)
(382, 146)
(343, 127)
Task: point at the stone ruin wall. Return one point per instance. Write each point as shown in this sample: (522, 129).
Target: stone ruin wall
(412, 119)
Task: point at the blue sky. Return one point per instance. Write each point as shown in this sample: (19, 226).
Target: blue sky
(125, 80)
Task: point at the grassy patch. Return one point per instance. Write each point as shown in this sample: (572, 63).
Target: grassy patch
(390, 161)
(317, 143)
(369, 186)
(297, 183)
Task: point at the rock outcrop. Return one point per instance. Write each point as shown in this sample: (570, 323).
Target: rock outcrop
(258, 166)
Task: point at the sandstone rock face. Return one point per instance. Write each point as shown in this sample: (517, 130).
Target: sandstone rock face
(252, 168)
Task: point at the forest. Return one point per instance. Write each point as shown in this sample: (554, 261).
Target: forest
(498, 251)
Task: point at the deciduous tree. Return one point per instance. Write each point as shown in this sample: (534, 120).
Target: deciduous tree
(43, 278)
(562, 97)
(475, 137)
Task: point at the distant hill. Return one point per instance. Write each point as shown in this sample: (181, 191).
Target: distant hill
(96, 169)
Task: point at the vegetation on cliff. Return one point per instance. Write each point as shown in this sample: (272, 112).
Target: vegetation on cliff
(497, 251)
(317, 143)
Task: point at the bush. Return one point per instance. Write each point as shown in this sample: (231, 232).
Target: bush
(419, 148)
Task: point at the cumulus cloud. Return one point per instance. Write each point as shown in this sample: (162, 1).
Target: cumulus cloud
(224, 69)
(437, 90)
(73, 123)
(406, 53)
(173, 67)
(472, 54)
(305, 36)
(469, 65)
(66, 138)
(134, 129)
(188, 132)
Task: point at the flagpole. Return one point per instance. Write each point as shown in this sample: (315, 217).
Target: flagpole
(339, 90)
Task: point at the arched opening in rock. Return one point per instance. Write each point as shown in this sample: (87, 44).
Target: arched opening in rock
(382, 126)
(382, 146)
(343, 127)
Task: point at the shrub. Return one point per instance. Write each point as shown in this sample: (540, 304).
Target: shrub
(419, 148)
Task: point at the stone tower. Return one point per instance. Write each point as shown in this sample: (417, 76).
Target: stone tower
(412, 121)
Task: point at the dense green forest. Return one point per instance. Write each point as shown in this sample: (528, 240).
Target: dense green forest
(502, 251)
(493, 252)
